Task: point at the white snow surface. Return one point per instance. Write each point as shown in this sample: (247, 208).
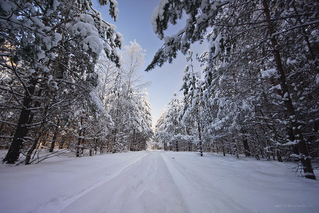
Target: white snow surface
(156, 181)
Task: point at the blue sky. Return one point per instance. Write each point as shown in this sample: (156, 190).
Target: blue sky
(134, 23)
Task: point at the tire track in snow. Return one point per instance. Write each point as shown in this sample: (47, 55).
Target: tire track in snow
(199, 194)
(70, 200)
(144, 186)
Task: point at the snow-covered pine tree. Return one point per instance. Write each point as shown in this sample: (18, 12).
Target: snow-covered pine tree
(159, 135)
(145, 121)
(172, 129)
(43, 45)
(25, 39)
(192, 103)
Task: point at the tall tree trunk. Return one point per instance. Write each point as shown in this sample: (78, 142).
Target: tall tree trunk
(21, 130)
(78, 145)
(236, 149)
(79, 140)
(54, 136)
(102, 146)
(62, 142)
(302, 146)
(200, 138)
(32, 148)
(245, 144)
(279, 156)
(246, 147)
(83, 141)
(41, 129)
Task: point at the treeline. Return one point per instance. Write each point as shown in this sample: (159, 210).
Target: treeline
(259, 92)
(58, 90)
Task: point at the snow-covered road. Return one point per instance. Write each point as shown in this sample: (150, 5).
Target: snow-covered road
(156, 182)
(145, 186)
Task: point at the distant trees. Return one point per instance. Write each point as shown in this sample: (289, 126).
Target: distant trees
(54, 88)
(129, 106)
(260, 73)
(170, 131)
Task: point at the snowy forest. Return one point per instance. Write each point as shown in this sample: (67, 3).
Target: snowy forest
(241, 134)
(65, 85)
(257, 92)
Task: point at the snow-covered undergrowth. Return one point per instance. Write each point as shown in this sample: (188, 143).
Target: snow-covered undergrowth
(156, 182)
